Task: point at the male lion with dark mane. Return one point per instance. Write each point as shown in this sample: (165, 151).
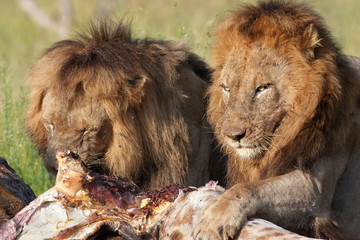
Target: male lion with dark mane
(129, 108)
(284, 104)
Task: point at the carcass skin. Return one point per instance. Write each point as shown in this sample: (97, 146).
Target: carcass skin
(86, 205)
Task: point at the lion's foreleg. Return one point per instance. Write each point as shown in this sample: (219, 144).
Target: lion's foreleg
(292, 200)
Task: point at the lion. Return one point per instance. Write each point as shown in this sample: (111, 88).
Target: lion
(284, 104)
(129, 108)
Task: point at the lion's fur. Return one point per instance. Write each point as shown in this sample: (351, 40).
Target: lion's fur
(322, 91)
(142, 88)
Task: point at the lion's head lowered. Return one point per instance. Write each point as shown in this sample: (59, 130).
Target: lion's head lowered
(114, 102)
(275, 90)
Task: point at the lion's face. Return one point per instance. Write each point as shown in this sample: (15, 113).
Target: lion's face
(85, 122)
(83, 128)
(256, 99)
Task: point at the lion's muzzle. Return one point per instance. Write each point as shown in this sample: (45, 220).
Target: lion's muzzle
(50, 161)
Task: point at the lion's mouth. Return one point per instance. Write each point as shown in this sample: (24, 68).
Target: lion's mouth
(247, 150)
(93, 161)
(250, 153)
(261, 143)
(255, 145)
(255, 149)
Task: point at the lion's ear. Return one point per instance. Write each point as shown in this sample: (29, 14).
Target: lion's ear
(137, 83)
(310, 41)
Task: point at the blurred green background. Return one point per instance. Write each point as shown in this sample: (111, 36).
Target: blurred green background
(22, 40)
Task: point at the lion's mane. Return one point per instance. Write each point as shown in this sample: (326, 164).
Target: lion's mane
(317, 122)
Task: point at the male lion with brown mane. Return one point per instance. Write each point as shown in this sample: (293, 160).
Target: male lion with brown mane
(130, 108)
(284, 104)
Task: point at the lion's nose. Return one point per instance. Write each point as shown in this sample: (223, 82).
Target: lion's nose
(235, 135)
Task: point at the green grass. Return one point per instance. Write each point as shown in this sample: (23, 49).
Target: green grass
(14, 143)
(22, 41)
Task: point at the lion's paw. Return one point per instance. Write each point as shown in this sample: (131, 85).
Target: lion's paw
(221, 220)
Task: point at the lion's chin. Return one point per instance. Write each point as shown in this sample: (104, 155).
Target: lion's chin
(249, 153)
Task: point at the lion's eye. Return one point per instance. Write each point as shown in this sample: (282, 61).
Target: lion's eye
(225, 88)
(137, 82)
(84, 132)
(262, 87)
(50, 125)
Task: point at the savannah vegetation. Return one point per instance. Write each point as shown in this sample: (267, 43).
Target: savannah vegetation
(22, 42)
